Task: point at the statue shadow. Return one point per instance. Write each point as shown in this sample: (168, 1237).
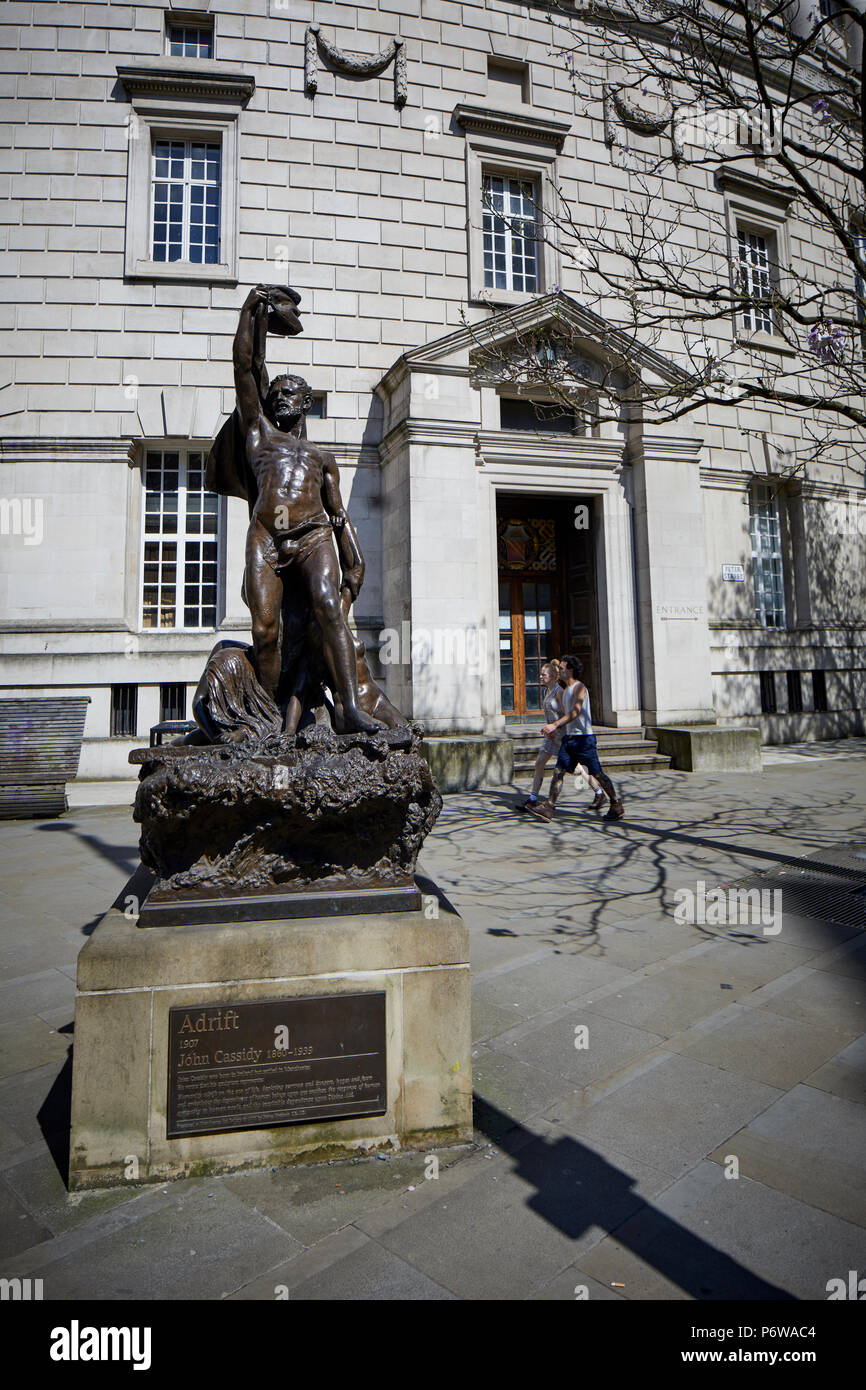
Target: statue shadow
(55, 1114)
(576, 1189)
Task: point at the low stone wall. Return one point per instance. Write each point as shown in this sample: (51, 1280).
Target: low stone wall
(470, 762)
(709, 748)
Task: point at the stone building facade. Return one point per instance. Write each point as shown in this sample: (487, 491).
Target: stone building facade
(160, 159)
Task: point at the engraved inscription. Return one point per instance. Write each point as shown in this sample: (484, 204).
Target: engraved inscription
(275, 1062)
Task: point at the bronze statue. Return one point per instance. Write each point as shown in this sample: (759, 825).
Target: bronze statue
(297, 587)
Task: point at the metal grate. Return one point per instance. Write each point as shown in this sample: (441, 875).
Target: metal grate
(172, 702)
(807, 892)
(124, 711)
(848, 860)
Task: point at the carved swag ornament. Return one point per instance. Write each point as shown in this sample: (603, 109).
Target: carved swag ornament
(354, 64)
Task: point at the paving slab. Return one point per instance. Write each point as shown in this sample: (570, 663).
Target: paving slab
(581, 1058)
(372, 1272)
(809, 1144)
(763, 1045)
(34, 994)
(818, 997)
(545, 983)
(845, 1074)
(673, 1114)
(19, 1230)
(664, 1003)
(314, 1202)
(200, 1245)
(575, 1285)
(513, 1086)
(37, 1183)
(28, 1042)
(718, 1238)
(516, 1226)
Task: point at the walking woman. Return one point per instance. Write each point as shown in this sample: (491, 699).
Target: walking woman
(551, 676)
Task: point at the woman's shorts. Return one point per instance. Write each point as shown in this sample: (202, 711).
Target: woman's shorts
(579, 748)
(551, 746)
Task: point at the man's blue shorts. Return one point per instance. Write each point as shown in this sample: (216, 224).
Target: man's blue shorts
(579, 748)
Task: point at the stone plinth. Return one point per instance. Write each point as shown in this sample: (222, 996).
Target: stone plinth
(129, 978)
(709, 748)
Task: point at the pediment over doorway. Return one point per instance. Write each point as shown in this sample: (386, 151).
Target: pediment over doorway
(502, 346)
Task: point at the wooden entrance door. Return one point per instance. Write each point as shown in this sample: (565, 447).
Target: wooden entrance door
(546, 597)
(528, 630)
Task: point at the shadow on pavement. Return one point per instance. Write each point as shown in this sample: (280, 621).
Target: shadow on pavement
(576, 1189)
(55, 1115)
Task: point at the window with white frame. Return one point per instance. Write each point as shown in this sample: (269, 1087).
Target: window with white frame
(755, 260)
(767, 569)
(509, 227)
(510, 180)
(187, 194)
(180, 547)
(188, 38)
(183, 182)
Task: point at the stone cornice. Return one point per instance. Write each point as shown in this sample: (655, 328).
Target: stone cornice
(350, 455)
(67, 450)
(514, 125)
(521, 448)
(459, 434)
(664, 446)
(196, 79)
(744, 184)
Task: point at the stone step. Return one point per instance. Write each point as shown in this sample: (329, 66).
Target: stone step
(614, 764)
(530, 743)
(620, 750)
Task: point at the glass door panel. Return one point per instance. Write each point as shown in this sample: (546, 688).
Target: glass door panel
(537, 603)
(506, 648)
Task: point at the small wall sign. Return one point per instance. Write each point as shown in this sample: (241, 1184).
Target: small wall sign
(734, 572)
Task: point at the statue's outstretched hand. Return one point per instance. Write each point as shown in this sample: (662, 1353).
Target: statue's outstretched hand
(283, 316)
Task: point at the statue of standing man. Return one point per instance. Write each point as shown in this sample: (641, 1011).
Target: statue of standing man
(297, 590)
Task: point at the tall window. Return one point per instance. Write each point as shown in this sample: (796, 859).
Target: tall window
(755, 280)
(181, 542)
(509, 229)
(172, 702)
(766, 535)
(187, 188)
(189, 40)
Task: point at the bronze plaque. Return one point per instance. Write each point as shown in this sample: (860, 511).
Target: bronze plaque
(275, 1062)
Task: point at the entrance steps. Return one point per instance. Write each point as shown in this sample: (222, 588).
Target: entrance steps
(620, 750)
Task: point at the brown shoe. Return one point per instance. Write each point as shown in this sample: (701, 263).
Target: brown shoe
(598, 801)
(616, 811)
(543, 810)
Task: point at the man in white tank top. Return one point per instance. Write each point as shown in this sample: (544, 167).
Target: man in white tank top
(578, 746)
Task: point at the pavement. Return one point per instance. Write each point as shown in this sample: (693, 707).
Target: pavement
(665, 1108)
